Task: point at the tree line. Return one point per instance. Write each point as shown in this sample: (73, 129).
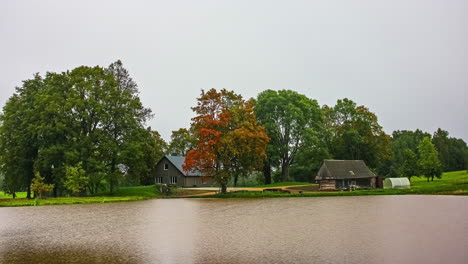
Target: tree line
(289, 135)
(83, 131)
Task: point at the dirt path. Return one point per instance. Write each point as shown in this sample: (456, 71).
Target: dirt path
(215, 190)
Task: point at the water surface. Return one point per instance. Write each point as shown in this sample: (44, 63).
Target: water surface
(362, 229)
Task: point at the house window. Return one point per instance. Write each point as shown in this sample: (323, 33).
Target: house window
(166, 166)
(173, 180)
(159, 180)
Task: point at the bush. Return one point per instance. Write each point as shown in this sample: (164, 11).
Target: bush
(76, 179)
(302, 174)
(39, 187)
(164, 189)
(276, 176)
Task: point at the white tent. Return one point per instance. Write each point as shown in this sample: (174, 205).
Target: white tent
(396, 183)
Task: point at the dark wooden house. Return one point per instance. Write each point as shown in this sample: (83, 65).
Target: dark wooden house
(344, 175)
(169, 171)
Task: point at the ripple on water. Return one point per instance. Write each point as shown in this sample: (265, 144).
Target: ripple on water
(371, 229)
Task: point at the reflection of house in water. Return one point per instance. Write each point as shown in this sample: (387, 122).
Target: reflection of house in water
(169, 171)
(344, 174)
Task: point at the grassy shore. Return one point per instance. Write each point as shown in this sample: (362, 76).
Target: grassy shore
(123, 194)
(451, 183)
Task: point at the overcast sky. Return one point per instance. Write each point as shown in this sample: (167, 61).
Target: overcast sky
(406, 60)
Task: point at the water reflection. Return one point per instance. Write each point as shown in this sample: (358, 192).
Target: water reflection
(384, 229)
(34, 253)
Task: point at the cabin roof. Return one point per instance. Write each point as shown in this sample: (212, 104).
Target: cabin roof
(178, 161)
(344, 169)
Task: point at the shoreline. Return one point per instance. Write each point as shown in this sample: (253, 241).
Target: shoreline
(451, 183)
(24, 202)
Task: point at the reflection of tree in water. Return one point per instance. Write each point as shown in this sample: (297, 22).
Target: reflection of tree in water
(75, 254)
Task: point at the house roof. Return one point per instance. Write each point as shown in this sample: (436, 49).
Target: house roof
(344, 169)
(178, 161)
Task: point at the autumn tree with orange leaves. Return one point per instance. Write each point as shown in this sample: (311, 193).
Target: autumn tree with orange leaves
(230, 142)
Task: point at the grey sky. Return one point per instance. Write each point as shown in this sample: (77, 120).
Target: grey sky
(404, 59)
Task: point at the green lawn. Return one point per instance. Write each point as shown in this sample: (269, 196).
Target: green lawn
(123, 194)
(3, 195)
(143, 191)
(66, 200)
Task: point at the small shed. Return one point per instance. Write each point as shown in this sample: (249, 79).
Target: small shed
(396, 183)
(344, 175)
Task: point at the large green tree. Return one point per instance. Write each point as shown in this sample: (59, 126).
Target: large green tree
(291, 121)
(402, 142)
(141, 154)
(429, 162)
(18, 136)
(88, 115)
(353, 132)
(452, 151)
(410, 165)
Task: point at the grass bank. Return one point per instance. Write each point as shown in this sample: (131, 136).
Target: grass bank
(123, 194)
(451, 183)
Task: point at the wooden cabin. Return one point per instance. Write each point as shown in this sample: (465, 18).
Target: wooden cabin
(345, 175)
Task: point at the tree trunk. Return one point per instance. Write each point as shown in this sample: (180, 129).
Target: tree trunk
(427, 179)
(28, 193)
(223, 188)
(112, 176)
(432, 178)
(284, 172)
(267, 172)
(236, 178)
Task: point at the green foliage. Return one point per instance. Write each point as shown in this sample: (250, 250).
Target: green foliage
(402, 141)
(90, 115)
(39, 187)
(429, 162)
(293, 122)
(410, 165)
(18, 136)
(452, 151)
(141, 154)
(182, 141)
(75, 179)
(353, 133)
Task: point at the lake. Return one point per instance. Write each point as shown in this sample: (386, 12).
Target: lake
(360, 229)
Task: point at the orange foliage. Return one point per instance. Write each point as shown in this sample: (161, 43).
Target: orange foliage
(229, 139)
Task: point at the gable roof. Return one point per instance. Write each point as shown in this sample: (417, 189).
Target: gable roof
(344, 169)
(178, 161)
